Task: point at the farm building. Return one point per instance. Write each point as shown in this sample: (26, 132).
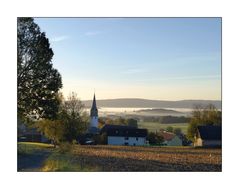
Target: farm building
(170, 139)
(124, 135)
(208, 136)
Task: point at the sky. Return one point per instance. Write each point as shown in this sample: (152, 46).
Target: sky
(150, 58)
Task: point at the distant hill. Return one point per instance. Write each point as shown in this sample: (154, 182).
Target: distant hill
(144, 103)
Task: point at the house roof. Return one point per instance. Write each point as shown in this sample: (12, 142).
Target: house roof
(93, 130)
(167, 135)
(210, 132)
(123, 130)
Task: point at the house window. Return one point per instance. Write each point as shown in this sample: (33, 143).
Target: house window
(126, 138)
(126, 143)
(137, 138)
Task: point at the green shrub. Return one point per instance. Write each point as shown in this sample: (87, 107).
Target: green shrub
(65, 147)
(100, 139)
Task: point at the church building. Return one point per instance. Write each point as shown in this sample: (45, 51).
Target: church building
(93, 127)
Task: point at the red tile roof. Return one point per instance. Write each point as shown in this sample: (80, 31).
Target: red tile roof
(167, 135)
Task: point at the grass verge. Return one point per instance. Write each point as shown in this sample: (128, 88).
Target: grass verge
(66, 162)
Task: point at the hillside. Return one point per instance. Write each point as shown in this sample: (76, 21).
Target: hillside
(145, 103)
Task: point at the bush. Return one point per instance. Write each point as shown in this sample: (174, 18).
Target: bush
(100, 139)
(169, 129)
(155, 138)
(65, 147)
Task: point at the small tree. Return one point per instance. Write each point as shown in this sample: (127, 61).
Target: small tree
(101, 123)
(100, 139)
(53, 130)
(132, 122)
(73, 117)
(169, 129)
(120, 121)
(177, 131)
(109, 121)
(207, 115)
(155, 138)
(70, 122)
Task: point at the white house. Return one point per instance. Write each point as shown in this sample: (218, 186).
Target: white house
(170, 139)
(208, 136)
(124, 135)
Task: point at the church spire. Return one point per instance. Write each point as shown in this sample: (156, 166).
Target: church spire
(94, 111)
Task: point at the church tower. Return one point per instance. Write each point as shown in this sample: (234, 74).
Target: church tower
(94, 114)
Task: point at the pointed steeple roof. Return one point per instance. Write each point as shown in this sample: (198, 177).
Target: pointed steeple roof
(94, 110)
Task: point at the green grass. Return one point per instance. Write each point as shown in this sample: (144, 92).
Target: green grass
(36, 144)
(34, 156)
(32, 147)
(67, 162)
(154, 126)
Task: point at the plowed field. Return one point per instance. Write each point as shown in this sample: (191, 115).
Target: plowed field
(126, 158)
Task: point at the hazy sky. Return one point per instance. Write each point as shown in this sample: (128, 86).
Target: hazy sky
(151, 58)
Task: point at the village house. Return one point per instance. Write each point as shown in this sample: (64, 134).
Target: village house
(124, 135)
(170, 139)
(26, 134)
(208, 136)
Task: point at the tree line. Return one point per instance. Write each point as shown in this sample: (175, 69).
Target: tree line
(118, 121)
(70, 122)
(166, 119)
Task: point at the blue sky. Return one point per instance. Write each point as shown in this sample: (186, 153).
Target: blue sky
(151, 58)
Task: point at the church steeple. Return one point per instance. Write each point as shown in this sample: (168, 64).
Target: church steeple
(94, 110)
(93, 116)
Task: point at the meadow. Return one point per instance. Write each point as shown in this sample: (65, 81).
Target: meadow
(117, 158)
(156, 126)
